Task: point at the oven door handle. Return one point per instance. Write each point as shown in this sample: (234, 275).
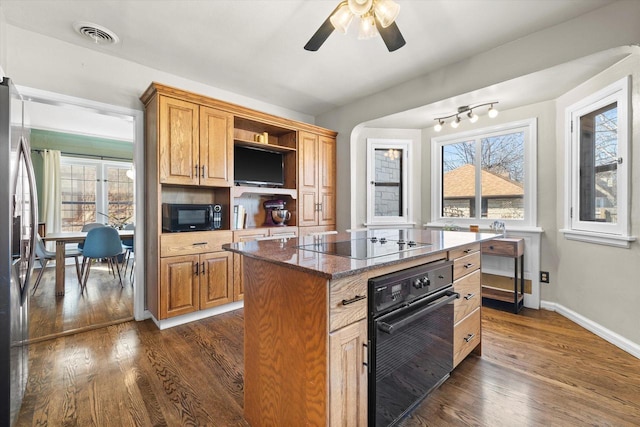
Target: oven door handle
(390, 327)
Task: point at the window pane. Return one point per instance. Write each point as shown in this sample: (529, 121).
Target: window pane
(502, 176)
(458, 180)
(78, 191)
(598, 165)
(120, 196)
(388, 182)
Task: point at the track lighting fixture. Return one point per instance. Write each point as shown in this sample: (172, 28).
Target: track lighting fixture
(492, 112)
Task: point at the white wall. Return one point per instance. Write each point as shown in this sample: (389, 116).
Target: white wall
(44, 63)
(601, 283)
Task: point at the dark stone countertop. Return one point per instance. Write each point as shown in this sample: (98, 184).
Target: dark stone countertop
(305, 253)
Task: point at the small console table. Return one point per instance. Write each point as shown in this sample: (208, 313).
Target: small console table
(499, 298)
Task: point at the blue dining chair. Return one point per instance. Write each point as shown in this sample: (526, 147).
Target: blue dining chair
(127, 244)
(101, 242)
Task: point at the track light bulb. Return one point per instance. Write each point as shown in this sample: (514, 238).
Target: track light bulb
(438, 126)
(455, 122)
(493, 113)
(472, 117)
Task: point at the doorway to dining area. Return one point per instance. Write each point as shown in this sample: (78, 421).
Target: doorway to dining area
(84, 160)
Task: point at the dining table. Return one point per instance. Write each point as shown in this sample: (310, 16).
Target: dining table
(61, 239)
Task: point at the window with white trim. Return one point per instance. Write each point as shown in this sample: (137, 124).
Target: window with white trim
(388, 182)
(95, 191)
(597, 169)
(485, 175)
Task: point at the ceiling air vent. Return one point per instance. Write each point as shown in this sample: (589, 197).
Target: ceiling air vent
(98, 34)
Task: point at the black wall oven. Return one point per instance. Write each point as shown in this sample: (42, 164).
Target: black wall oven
(410, 335)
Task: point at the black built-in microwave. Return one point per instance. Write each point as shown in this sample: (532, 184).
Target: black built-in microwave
(188, 217)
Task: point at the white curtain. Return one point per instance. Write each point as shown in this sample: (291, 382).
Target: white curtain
(51, 193)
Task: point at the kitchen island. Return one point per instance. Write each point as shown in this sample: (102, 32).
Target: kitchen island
(305, 309)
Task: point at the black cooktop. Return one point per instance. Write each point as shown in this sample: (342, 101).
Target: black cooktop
(364, 248)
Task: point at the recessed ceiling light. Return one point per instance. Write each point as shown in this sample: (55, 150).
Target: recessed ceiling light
(96, 33)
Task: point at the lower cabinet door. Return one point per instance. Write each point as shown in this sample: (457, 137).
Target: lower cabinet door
(216, 279)
(348, 376)
(178, 285)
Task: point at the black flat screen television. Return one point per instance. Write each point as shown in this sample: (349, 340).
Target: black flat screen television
(257, 167)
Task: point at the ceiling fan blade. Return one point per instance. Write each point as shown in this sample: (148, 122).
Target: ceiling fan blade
(320, 36)
(391, 36)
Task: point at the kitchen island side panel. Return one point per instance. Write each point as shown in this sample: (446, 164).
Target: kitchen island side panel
(286, 345)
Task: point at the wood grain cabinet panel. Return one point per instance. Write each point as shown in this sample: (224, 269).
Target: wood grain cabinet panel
(216, 279)
(216, 148)
(465, 265)
(348, 374)
(470, 290)
(179, 291)
(316, 180)
(179, 141)
(466, 336)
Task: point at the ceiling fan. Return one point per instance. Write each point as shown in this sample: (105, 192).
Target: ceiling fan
(376, 17)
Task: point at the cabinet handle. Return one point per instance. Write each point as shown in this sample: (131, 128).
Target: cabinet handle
(354, 299)
(203, 171)
(468, 265)
(466, 251)
(197, 168)
(469, 337)
(202, 271)
(196, 268)
(491, 247)
(199, 244)
(320, 207)
(469, 296)
(367, 355)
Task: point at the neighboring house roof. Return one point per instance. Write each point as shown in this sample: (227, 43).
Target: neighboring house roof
(459, 183)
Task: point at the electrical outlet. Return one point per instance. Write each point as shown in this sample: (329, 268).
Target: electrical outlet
(544, 276)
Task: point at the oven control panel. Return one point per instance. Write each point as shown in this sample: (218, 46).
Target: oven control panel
(402, 287)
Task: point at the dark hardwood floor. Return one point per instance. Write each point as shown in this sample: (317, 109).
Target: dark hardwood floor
(537, 369)
(104, 302)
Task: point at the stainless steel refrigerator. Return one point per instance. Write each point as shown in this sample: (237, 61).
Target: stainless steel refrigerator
(18, 228)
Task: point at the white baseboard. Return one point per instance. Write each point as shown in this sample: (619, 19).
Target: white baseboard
(198, 315)
(604, 333)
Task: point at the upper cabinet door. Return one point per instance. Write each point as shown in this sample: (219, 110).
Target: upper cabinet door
(178, 140)
(327, 180)
(308, 179)
(216, 148)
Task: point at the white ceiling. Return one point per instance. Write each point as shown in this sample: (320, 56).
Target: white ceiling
(255, 48)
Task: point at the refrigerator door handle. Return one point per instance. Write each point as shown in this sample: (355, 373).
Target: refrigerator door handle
(24, 159)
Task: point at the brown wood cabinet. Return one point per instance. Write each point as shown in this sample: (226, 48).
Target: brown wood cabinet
(348, 375)
(196, 144)
(189, 158)
(467, 309)
(195, 273)
(316, 180)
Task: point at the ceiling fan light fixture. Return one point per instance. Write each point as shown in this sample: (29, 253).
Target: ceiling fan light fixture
(368, 28)
(359, 7)
(342, 17)
(386, 11)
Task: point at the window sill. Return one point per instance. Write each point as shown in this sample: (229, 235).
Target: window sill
(598, 238)
(516, 228)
